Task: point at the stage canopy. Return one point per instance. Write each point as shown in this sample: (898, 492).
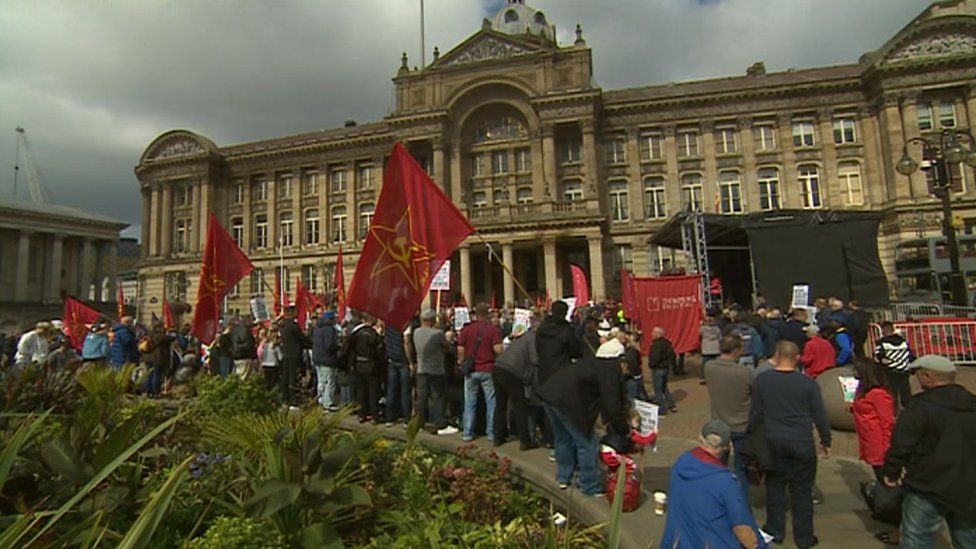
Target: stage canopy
(834, 251)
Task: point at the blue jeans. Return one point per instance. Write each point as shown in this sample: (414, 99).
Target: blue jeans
(398, 398)
(154, 383)
(921, 519)
(472, 383)
(740, 463)
(326, 376)
(661, 393)
(574, 448)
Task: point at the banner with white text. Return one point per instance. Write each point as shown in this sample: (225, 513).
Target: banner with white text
(673, 303)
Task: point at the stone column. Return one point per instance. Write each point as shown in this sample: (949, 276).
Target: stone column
(465, 253)
(509, 283)
(635, 195)
(84, 268)
(551, 180)
(112, 256)
(439, 172)
(789, 190)
(591, 168)
(99, 257)
(23, 264)
(597, 284)
(710, 180)
(672, 179)
(909, 117)
(550, 266)
(456, 184)
(145, 237)
(154, 219)
(271, 211)
(199, 221)
(830, 191)
(53, 283)
(892, 145)
(166, 239)
(971, 117)
(325, 216)
(748, 179)
(876, 192)
(352, 207)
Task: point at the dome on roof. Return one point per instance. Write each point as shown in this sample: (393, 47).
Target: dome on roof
(517, 18)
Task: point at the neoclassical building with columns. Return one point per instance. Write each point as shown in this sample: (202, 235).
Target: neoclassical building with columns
(553, 170)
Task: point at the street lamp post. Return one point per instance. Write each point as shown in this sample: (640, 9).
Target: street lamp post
(940, 154)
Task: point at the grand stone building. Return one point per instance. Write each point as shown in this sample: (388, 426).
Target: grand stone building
(554, 170)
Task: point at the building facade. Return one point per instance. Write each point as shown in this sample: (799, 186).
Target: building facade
(553, 170)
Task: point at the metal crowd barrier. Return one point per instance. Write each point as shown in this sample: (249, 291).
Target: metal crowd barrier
(908, 311)
(953, 339)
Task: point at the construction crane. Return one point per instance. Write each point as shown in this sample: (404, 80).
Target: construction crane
(35, 182)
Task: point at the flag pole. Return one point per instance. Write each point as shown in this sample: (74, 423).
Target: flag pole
(502, 263)
(281, 272)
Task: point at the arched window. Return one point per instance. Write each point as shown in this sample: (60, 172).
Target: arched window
(619, 210)
(500, 196)
(849, 174)
(691, 191)
(286, 225)
(503, 128)
(312, 226)
(479, 199)
(769, 198)
(261, 231)
(237, 230)
(655, 205)
(339, 223)
(572, 190)
(730, 192)
(523, 195)
(809, 178)
(179, 238)
(511, 16)
(365, 219)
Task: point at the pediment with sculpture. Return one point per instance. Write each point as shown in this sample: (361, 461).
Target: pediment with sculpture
(176, 145)
(934, 46)
(485, 46)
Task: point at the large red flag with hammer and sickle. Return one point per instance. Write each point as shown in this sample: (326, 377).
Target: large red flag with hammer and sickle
(77, 318)
(414, 230)
(224, 265)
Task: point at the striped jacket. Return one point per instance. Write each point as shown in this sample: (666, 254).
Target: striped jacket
(893, 352)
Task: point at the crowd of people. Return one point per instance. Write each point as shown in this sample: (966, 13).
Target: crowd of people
(569, 383)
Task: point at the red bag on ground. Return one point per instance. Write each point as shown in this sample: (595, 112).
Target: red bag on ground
(632, 488)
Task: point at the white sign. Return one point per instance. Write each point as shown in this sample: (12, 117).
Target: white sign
(259, 309)
(648, 417)
(461, 317)
(801, 295)
(442, 279)
(522, 318)
(571, 301)
(848, 385)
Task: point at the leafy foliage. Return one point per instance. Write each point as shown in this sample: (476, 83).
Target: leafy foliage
(233, 396)
(238, 533)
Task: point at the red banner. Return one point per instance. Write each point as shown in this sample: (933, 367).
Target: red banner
(77, 318)
(169, 321)
(340, 283)
(580, 286)
(120, 300)
(673, 303)
(224, 265)
(628, 296)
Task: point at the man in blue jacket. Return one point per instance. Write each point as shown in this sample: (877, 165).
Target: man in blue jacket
(325, 347)
(707, 508)
(125, 346)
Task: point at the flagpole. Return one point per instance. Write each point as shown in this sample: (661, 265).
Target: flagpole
(281, 272)
(502, 263)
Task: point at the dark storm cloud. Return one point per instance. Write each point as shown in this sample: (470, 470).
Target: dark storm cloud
(95, 82)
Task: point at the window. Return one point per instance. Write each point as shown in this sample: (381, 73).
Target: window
(310, 183)
(505, 128)
(623, 258)
(725, 142)
(803, 134)
(957, 177)
(365, 219)
(687, 143)
(655, 206)
(844, 131)
(619, 210)
(180, 238)
(312, 226)
(500, 196)
(523, 195)
(259, 191)
(499, 162)
(849, 174)
(479, 199)
(175, 286)
(237, 230)
(924, 116)
(284, 279)
(183, 195)
(651, 146)
(310, 277)
(691, 191)
(337, 180)
(947, 115)
(364, 177)
(284, 187)
(769, 189)
(235, 291)
(238, 195)
(765, 137)
(261, 231)
(809, 177)
(286, 225)
(339, 224)
(615, 150)
(730, 192)
(523, 161)
(569, 151)
(478, 165)
(257, 282)
(572, 190)
(662, 259)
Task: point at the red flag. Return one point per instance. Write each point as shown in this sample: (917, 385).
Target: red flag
(494, 297)
(548, 300)
(168, 321)
(304, 303)
(462, 302)
(120, 301)
(77, 318)
(628, 295)
(538, 302)
(580, 286)
(414, 230)
(673, 303)
(224, 265)
(340, 283)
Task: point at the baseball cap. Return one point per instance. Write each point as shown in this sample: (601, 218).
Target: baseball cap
(718, 428)
(611, 349)
(934, 363)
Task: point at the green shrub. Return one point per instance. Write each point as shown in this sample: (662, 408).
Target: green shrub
(238, 533)
(233, 396)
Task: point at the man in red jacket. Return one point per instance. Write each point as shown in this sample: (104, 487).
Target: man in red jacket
(818, 354)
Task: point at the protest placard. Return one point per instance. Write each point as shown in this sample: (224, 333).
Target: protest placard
(522, 318)
(648, 417)
(442, 278)
(259, 309)
(801, 295)
(848, 384)
(461, 317)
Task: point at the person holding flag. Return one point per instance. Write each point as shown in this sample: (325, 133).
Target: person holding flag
(224, 265)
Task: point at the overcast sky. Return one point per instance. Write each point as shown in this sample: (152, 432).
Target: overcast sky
(94, 81)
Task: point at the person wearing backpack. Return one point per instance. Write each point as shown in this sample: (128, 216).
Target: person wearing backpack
(478, 345)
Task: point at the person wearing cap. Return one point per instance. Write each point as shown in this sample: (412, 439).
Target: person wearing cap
(933, 456)
(95, 347)
(483, 340)
(556, 342)
(787, 405)
(818, 353)
(33, 345)
(729, 385)
(514, 369)
(431, 346)
(706, 508)
(325, 350)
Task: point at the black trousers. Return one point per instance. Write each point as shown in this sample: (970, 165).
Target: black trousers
(794, 466)
(288, 379)
(509, 389)
(367, 395)
(431, 387)
(901, 388)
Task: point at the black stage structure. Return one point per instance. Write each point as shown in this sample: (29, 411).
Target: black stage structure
(834, 251)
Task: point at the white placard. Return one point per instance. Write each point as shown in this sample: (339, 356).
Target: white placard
(571, 301)
(461, 317)
(442, 278)
(801, 295)
(648, 417)
(522, 318)
(259, 309)
(848, 384)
